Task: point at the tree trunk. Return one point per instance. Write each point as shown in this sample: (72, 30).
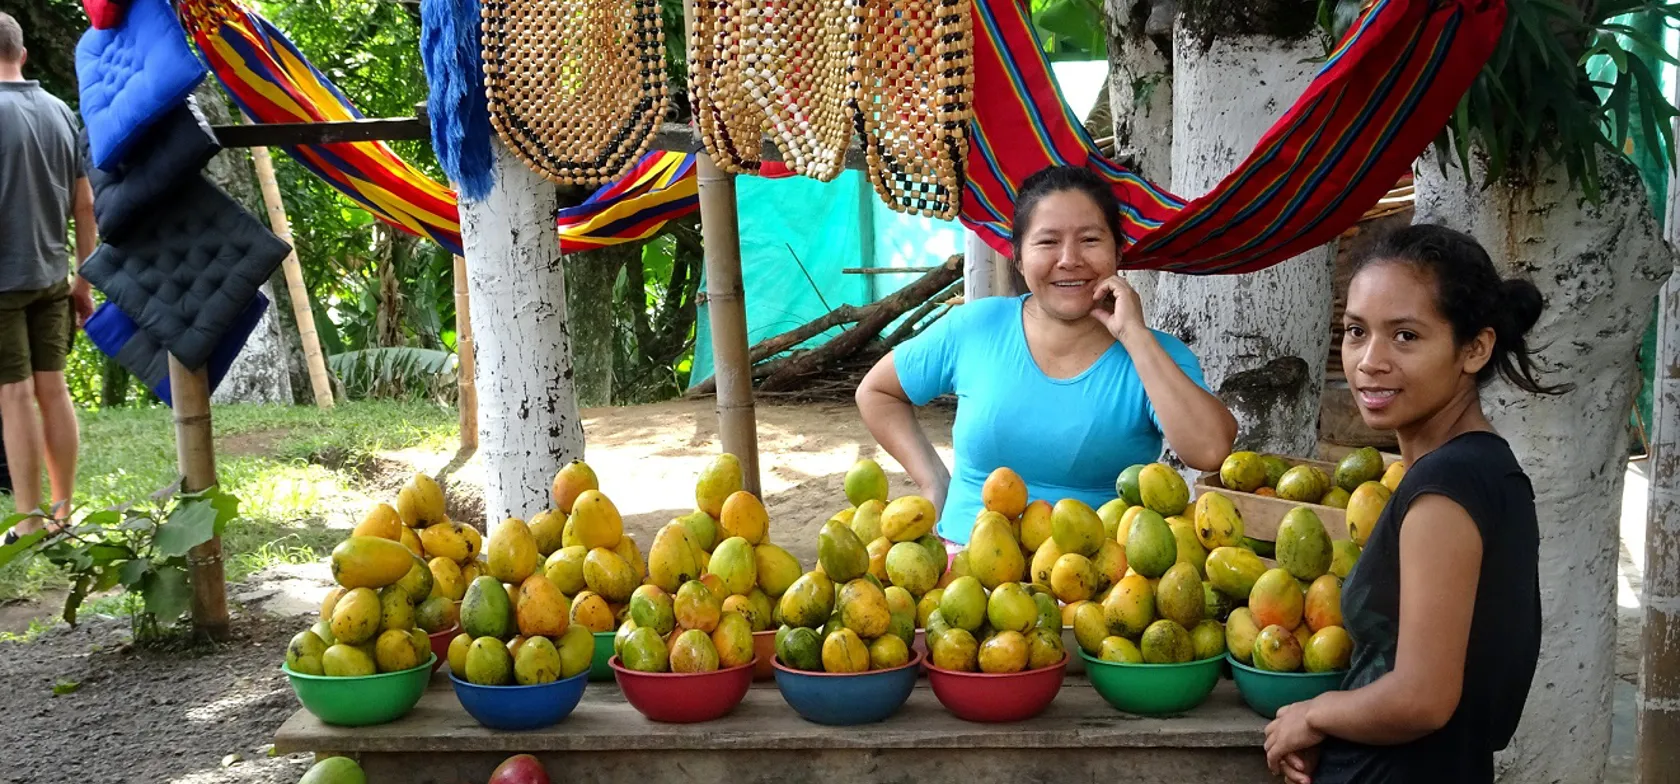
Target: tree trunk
(1140, 96)
(589, 299)
(1659, 666)
(388, 319)
(528, 415)
(1598, 269)
(259, 374)
(1261, 337)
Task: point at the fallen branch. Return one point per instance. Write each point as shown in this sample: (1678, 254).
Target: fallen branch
(910, 325)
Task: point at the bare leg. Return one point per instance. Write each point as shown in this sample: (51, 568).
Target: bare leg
(23, 440)
(61, 437)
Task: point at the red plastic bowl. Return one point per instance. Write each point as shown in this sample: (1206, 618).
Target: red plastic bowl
(440, 644)
(686, 697)
(988, 697)
(764, 647)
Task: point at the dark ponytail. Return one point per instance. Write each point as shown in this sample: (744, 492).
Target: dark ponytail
(1469, 292)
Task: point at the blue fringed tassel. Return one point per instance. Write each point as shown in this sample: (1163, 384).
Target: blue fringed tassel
(449, 50)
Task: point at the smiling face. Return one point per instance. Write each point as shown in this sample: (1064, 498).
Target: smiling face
(1398, 349)
(1066, 250)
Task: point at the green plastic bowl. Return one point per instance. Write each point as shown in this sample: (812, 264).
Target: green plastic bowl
(1265, 691)
(598, 669)
(1153, 689)
(363, 700)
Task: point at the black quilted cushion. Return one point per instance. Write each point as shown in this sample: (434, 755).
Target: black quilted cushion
(187, 274)
(176, 148)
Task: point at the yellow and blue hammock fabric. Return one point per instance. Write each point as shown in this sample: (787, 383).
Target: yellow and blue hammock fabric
(661, 188)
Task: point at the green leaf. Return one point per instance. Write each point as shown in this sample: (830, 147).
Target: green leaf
(190, 525)
(108, 579)
(167, 592)
(134, 572)
(65, 687)
(10, 552)
(73, 601)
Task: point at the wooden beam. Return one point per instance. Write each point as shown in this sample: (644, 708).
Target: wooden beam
(189, 392)
(885, 270)
(293, 134)
(680, 137)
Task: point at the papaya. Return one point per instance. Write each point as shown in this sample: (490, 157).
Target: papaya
(909, 566)
(542, 610)
(865, 481)
(842, 557)
(994, 555)
(570, 482)
(1277, 600)
(693, 651)
(1323, 604)
(1151, 547)
(866, 520)
(776, 569)
(1242, 471)
(733, 640)
(697, 607)
(743, 516)
(1166, 642)
(1234, 570)
(420, 502)
(512, 553)
(721, 478)
(596, 520)
(1130, 607)
(564, 568)
(1004, 492)
(347, 661)
(356, 617)
(809, 601)
(1218, 523)
(1073, 578)
(538, 661)
(370, 562)
(608, 575)
(547, 527)
(908, 518)
(1076, 527)
(1276, 649)
(1126, 486)
(735, 564)
(381, 521)
(1328, 650)
(1365, 507)
(1162, 490)
(1303, 546)
(485, 610)
(1179, 598)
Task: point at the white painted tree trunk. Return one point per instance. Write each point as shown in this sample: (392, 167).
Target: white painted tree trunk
(528, 414)
(1599, 269)
(1658, 703)
(259, 374)
(1262, 337)
(1140, 97)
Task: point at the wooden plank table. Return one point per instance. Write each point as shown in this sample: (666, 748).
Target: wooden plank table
(1080, 738)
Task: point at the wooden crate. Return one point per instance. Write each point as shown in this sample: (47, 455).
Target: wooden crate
(1262, 514)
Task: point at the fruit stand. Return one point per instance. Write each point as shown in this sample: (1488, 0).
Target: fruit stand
(1078, 738)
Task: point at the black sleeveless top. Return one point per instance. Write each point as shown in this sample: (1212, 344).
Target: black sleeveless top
(1477, 471)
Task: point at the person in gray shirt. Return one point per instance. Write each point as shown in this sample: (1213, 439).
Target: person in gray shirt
(43, 184)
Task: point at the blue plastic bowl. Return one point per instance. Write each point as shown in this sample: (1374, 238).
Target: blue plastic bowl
(521, 707)
(850, 698)
(1266, 691)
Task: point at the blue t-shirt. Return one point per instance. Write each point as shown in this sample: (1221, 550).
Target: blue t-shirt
(1067, 438)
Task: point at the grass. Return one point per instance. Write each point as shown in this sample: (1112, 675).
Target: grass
(292, 467)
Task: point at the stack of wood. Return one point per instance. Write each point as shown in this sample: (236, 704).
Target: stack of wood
(831, 369)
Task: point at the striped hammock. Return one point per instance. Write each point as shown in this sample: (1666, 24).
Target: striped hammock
(660, 188)
(1376, 104)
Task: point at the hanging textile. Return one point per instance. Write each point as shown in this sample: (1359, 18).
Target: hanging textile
(272, 82)
(576, 88)
(1382, 96)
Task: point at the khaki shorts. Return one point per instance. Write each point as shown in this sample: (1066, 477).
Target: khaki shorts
(36, 329)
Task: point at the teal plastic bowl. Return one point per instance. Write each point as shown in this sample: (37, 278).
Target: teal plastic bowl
(363, 700)
(1265, 691)
(598, 669)
(1153, 689)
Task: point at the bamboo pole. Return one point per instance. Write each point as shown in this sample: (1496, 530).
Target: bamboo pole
(468, 403)
(1659, 666)
(319, 381)
(189, 392)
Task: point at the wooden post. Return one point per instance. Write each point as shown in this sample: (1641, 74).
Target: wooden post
(189, 391)
(295, 289)
(468, 403)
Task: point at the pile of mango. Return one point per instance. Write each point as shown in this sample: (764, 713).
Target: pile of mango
(1360, 484)
(711, 582)
(388, 599)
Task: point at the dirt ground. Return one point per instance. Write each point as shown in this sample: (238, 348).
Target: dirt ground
(175, 716)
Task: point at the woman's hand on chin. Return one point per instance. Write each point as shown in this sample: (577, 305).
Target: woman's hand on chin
(1123, 316)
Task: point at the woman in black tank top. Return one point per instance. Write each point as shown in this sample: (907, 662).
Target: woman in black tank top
(1443, 605)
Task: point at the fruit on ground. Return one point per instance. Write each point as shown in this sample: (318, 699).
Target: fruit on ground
(1162, 490)
(343, 770)
(1328, 650)
(512, 552)
(420, 502)
(356, 616)
(1243, 471)
(370, 562)
(1240, 633)
(865, 481)
(1004, 492)
(1277, 599)
(485, 611)
(1303, 546)
(595, 520)
(908, 518)
(570, 482)
(519, 769)
(743, 515)
(1276, 649)
(1218, 523)
(1151, 548)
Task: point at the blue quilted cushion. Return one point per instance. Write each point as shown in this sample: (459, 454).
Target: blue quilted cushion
(187, 274)
(114, 333)
(131, 75)
(177, 147)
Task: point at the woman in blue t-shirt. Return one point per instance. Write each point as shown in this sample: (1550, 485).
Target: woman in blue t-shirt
(1064, 385)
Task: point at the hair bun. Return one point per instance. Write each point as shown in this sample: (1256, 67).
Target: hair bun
(1520, 305)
